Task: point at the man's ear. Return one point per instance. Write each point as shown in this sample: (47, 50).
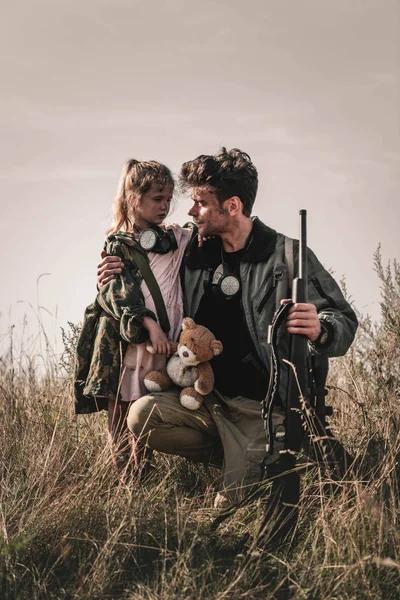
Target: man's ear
(234, 205)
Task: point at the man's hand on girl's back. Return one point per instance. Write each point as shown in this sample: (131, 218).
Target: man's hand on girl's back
(108, 267)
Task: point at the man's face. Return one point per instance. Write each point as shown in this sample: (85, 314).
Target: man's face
(210, 217)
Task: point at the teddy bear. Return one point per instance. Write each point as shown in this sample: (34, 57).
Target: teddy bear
(189, 367)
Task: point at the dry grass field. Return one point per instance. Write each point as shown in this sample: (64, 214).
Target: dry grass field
(70, 530)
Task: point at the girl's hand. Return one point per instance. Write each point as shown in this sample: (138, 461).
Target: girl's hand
(158, 339)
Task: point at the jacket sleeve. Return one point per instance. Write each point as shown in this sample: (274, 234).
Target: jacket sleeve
(332, 307)
(122, 297)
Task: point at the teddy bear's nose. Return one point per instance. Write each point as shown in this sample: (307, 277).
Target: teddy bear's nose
(185, 354)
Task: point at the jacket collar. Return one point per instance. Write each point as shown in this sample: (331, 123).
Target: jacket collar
(127, 238)
(124, 237)
(259, 247)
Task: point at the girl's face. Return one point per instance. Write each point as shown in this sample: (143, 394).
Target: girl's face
(154, 205)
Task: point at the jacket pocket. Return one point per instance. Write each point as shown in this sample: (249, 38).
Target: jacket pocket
(276, 276)
(254, 465)
(318, 286)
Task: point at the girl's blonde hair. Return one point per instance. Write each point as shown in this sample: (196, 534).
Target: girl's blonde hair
(137, 177)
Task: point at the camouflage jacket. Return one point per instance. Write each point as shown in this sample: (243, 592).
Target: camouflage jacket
(114, 320)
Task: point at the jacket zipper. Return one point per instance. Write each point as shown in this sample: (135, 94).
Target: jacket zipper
(278, 274)
(322, 293)
(257, 357)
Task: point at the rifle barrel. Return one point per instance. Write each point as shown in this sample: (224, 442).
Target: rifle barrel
(303, 252)
(299, 289)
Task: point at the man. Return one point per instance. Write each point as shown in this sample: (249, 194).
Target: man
(233, 284)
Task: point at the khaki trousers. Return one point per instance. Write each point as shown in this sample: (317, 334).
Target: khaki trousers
(161, 422)
(234, 424)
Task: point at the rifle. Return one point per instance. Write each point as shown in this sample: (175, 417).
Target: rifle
(303, 418)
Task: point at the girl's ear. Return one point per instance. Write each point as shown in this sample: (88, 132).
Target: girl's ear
(130, 199)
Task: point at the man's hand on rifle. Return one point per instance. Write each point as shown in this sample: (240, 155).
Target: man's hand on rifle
(303, 318)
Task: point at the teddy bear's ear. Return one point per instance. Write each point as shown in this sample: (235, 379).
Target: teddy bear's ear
(216, 347)
(188, 323)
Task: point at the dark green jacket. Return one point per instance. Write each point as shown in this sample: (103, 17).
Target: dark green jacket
(114, 320)
(265, 281)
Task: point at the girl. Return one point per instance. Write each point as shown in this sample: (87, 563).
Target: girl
(112, 359)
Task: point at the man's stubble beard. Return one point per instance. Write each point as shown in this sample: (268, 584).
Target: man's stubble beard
(212, 230)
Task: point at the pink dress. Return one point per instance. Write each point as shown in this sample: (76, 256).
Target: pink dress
(137, 360)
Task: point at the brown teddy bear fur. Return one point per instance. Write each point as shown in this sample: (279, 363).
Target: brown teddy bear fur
(189, 367)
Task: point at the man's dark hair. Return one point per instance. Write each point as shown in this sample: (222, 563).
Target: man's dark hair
(227, 174)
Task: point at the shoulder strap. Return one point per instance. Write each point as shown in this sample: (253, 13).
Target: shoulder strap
(148, 276)
(289, 261)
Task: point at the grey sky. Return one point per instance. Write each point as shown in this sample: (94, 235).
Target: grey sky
(309, 88)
